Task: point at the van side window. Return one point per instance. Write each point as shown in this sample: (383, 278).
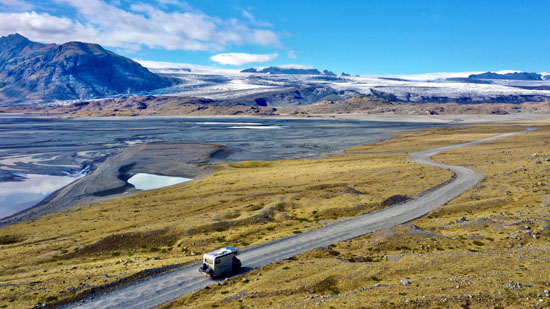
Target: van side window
(218, 261)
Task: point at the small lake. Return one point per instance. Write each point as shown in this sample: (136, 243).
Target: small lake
(19, 195)
(144, 181)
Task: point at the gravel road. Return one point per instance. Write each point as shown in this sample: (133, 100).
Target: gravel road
(162, 288)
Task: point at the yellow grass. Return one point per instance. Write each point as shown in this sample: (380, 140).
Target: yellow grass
(242, 204)
(448, 263)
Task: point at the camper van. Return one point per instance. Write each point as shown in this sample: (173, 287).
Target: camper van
(220, 262)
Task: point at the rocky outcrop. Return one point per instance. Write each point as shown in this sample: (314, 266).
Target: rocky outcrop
(510, 76)
(296, 96)
(32, 72)
(280, 70)
(362, 104)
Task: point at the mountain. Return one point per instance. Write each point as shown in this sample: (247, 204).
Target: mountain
(509, 76)
(32, 72)
(281, 70)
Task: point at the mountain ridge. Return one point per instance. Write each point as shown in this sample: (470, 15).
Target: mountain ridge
(508, 76)
(37, 72)
(289, 70)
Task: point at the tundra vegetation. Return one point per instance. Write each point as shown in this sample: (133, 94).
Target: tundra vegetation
(485, 257)
(487, 248)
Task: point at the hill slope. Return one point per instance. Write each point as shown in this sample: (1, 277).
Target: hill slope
(35, 72)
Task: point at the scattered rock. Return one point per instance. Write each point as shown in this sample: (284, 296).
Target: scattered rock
(546, 201)
(405, 282)
(395, 199)
(514, 285)
(245, 279)
(462, 219)
(351, 191)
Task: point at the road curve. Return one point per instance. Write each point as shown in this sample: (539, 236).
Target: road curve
(159, 289)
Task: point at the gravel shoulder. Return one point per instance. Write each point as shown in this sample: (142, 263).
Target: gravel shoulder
(170, 285)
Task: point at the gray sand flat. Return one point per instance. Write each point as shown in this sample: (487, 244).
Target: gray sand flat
(109, 178)
(162, 288)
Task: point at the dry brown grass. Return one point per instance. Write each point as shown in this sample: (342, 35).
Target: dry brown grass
(448, 262)
(242, 204)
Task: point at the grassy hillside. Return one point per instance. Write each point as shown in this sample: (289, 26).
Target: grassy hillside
(487, 248)
(242, 204)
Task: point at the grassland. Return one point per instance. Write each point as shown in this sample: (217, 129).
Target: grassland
(478, 250)
(58, 256)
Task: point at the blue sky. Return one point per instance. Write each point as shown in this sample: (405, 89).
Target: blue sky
(358, 37)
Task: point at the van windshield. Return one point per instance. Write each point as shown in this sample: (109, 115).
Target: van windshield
(208, 261)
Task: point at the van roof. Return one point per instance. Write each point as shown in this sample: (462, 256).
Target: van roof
(223, 252)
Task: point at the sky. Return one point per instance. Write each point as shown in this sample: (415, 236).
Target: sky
(372, 37)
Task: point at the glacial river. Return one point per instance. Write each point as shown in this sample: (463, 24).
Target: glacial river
(33, 148)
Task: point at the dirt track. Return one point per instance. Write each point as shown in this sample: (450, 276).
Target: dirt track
(165, 287)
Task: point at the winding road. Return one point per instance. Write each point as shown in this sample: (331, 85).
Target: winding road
(164, 287)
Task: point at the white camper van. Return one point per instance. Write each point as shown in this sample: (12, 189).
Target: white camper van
(220, 262)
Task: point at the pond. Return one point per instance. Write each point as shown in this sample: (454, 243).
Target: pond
(144, 181)
(19, 195)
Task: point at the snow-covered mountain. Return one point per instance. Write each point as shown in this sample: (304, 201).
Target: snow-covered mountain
(463, 87)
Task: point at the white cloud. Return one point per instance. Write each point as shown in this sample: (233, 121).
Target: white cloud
(242, 58)
(45, 27)
(254, 21)
(16, 4)
(141, 25)
(291, 54)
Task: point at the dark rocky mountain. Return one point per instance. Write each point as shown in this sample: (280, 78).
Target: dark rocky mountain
(509, 76)
(32, 72)
(297, 96)
(279, 70)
